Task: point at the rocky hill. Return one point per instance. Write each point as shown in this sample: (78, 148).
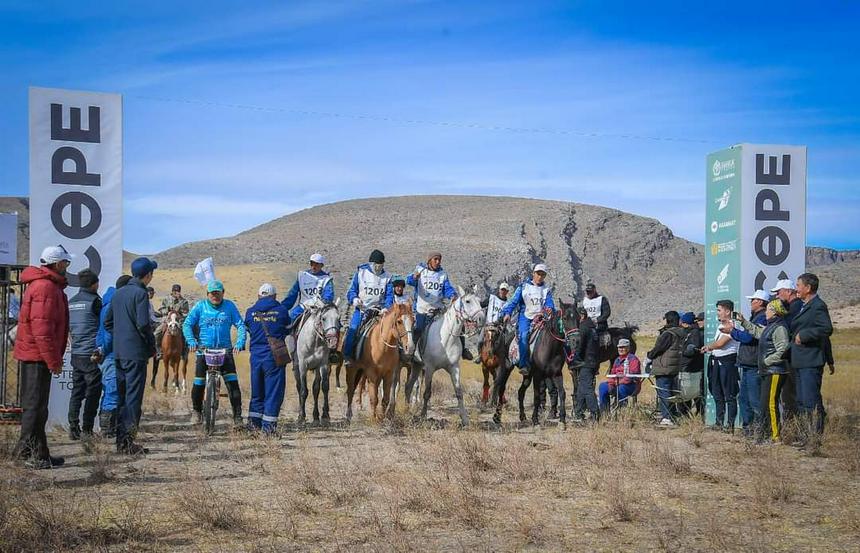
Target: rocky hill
(636, 261)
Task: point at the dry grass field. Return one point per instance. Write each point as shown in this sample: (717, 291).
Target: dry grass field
(412, 485)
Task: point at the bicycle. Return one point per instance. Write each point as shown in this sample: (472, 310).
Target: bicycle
(214, 361)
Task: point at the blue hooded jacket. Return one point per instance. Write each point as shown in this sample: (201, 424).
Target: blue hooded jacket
(293, 295)
(276, 317)
(214, 324)
(353, 291)
(104, 339)
(516, 301)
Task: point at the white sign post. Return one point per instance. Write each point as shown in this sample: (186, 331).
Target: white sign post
(76, 193)
(8, 238)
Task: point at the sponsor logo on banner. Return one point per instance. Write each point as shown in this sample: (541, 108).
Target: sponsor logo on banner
(715, 226)
(723, 247)
(723, 201)
(722, 276)
(723, 169)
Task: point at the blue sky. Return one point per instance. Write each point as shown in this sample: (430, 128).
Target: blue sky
(536, 99)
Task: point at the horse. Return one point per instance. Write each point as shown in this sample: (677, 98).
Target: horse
(380, 358)
(173, 350)
(442, 348)
(318, 335)
(493, 354)
(557, 331)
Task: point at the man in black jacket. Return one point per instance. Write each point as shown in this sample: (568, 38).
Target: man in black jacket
(809, 329)
(664, 361)
(129, 320)
(587, 356)
(84, 310)
(692, 360)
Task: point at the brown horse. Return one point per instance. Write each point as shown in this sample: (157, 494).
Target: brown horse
(173, 350)
(380, 357)
(494, 354)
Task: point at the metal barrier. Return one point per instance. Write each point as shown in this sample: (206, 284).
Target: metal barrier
(11, 292)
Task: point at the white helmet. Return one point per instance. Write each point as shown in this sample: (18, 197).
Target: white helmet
(318, 258)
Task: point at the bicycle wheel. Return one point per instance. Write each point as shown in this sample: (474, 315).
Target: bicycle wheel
(210, 405)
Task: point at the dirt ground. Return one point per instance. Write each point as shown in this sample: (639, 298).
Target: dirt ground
(410, 485)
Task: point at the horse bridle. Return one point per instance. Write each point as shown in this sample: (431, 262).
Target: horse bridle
(462, 317)
(323, 333)
(400, 335)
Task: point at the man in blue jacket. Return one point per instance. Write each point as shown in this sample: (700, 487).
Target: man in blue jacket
(214, 318)
(310, 284)
(104, 343)
(266, 319)
(128, 320)
(432, 286)
(530, 298)
(749, 396)
(370, 289)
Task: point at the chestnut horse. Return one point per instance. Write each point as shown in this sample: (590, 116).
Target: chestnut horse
(380, 357)
(494, 354)
(173, 351)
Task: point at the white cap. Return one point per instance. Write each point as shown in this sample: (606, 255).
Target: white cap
(318, 258)
(54, 254)
(504, 286)
(759, 295)
(784, 284)
(266, 290)
(540, 267)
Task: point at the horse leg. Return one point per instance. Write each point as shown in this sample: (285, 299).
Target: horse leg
(428, 380)
(454, 372)
(362, 386)
(411, 379)
(184, 374)
(499, 385)
(521, 396)
(485, 392)
(302, 388)
(325, 376)
(562, 410)
(393, 387)
(316, 386)
(386, 396)
(351, 374)
(166, 361)
(537, 388)
(373, 392)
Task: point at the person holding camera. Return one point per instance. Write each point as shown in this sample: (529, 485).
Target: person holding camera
(723, 378)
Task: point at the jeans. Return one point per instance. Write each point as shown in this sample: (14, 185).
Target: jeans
(665, 387)
(723, 380)
(623, 391)
(749, 398)
(808, 394)
(130, 380)
(35, 390)
(524, 326)
(109, 391)
(86, 389)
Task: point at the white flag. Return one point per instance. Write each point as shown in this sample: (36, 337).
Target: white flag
(205, 271)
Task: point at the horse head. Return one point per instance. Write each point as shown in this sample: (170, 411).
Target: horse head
(173, 325)
(327, 325)
(570, 322)
(404, 321)
(468, 309)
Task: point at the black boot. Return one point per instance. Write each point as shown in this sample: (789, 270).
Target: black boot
(467, 355)
(74, 431)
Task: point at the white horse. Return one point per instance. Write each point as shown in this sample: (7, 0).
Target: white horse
(442, 349)
(317, 337)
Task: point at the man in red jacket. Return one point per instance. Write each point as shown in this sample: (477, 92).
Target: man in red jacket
(43, 331)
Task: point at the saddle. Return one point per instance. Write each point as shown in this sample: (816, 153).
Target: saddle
(363, 332)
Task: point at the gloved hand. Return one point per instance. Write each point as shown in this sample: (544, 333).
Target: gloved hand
(356, 302)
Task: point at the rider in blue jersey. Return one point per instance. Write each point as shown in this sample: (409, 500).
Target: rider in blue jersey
(530, 298)
(214, 318)
(370, 290)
